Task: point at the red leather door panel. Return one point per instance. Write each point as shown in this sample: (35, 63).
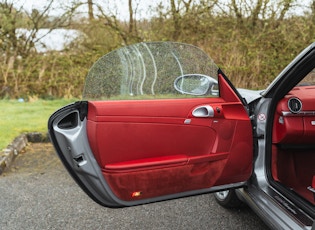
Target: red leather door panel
(150, 148)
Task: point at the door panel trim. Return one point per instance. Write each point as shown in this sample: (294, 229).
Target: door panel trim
(167, 161)
(164, 162)
(136, 148)
(147, 108)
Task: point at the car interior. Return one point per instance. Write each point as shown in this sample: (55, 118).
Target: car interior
(293, 146)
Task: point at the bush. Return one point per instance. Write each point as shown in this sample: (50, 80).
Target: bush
(252, 45)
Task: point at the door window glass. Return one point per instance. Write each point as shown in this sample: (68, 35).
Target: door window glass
(151, 70)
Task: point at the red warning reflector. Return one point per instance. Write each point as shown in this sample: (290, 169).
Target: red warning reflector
(136, 194)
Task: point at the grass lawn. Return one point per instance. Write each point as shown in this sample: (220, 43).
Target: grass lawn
(21, 117)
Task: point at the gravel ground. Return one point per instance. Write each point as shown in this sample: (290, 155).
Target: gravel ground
(38, 193)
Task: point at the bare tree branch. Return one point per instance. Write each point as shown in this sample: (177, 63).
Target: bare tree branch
(90, 8)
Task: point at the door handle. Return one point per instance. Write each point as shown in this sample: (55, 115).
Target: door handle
(203, 111)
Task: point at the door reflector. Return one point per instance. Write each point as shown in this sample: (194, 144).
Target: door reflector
(136, 194)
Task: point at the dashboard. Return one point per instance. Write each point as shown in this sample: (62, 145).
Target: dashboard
(294, 121)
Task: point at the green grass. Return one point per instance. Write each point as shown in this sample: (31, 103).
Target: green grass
(22, 117)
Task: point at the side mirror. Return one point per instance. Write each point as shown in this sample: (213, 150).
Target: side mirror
(196, 84)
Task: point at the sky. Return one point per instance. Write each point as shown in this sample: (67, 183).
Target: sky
(120, 7)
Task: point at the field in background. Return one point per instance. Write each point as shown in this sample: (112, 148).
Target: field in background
(22, 117)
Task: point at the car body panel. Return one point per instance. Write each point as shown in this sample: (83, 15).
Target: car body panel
(274, 209)
(250, 95)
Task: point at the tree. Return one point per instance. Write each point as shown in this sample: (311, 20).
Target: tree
(13, 19)
(18, 34)
(91, 13)
(127, 30)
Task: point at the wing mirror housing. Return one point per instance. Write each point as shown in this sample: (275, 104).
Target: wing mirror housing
(197, 85)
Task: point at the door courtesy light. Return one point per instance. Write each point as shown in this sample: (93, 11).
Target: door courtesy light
(136, 194)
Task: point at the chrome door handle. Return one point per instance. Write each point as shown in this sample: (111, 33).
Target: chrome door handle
(203, 111)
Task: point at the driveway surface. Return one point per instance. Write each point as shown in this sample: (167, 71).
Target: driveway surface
(38, 193)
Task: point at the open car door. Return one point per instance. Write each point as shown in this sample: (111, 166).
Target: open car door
(158, 121)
